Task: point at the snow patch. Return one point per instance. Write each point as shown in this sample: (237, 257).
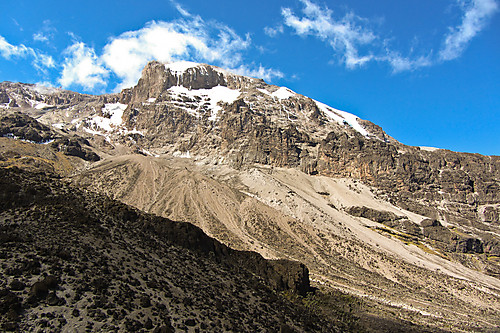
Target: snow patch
(148, 153)
(429, 148)
(180, 67)
(283, 93)
(213, 96)
(40, 106)
(134, 131)
(342, 117)
(58, 125)
(115, 112)
(111, 120)
(151, 100)
(182, 154)
(264, 91)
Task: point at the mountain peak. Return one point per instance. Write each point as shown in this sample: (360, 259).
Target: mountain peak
(158, 77)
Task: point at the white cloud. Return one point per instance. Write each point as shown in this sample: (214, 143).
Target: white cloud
(476, 15)
(46, 33)
(261, 72)
(357, 44)
(41, 61)
(273, 32)
(8, 50)
(344, 35)
(82, 67)
(180, 9)
(17, 25)
(402, 64)
(193, 39)
(40, 37)
(124, 56)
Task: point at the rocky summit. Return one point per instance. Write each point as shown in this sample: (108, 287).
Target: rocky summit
(318, 217)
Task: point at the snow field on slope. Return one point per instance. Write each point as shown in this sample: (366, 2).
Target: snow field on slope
(115, 112)
(281, 93)
(111, 122)
(213, 96)
(334, 114)
(341, 116)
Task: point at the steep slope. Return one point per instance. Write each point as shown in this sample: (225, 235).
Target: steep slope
(74, 260)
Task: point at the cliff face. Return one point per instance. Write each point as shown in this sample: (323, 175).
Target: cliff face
(439, 184)
(157, 77)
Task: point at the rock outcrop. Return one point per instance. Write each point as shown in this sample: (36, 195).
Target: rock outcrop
(23, 127)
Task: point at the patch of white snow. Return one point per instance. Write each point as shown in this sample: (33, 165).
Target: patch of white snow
(213, 96)
(342, 117)
(182, 154)
(429, 148)
(180, 66)
(112, 119)
(264, 91)
(283, 93)
(40, 106)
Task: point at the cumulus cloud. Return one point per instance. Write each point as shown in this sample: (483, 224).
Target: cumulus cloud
(189, 38)
(82, 67)
(476, 15)
(352, 39)
(192, 39)
(124, 56)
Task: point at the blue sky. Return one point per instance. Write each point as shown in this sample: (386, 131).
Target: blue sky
(427, 71)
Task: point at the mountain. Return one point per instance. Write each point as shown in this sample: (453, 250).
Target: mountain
(413, 233)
